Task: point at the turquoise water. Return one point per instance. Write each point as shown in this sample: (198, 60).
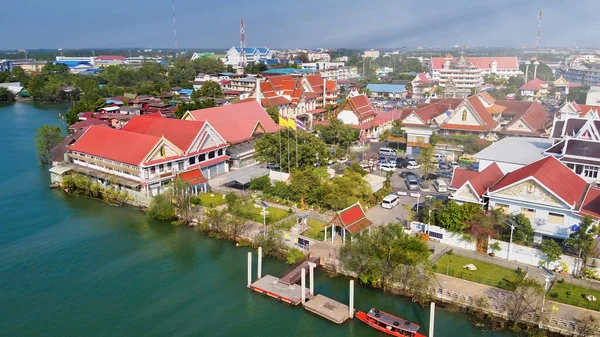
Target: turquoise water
(78, 267)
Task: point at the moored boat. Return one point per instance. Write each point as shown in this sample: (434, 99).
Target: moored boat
(389, 324)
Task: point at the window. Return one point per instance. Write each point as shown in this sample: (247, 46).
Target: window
(202, 157)
(221, 152)
(571, 166)
(192, 160)
(590, 171)
(436, 235)
(168, 166)
(464, 115)
(529, 213)
(153, 169)
(504, 208)
(180, 165)
(211, 154)
(556, 218)
(161, 168)
(578, 169)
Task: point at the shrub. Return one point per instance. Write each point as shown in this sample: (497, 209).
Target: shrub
(161, 208)
(294, 255)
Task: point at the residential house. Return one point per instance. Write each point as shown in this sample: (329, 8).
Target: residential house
(146, 155)
(239, 124)
(420, 122)
(534, 90)
(384, 90)
(421, 85)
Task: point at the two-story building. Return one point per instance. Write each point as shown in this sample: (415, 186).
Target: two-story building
(149, 153)
(534, 90)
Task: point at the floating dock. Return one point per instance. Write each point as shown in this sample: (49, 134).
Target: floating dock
(271, 286)
(327, 308)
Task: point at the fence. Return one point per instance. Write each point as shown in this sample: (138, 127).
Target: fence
(503, 283)
(589, 284)
(576, 302)
(489, 259)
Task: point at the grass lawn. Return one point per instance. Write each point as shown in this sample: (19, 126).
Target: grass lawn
(286, 225)
(316, 230)
(207, 201)
(274, 214)
(486, 273)
(576, 295)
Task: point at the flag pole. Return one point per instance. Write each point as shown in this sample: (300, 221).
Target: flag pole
(296, 145)
(288, 149)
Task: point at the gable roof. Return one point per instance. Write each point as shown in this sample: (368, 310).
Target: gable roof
(236, 122)
(179, 132)
(354, 219)
(550, 172)
(591, 203)
(361, 106)
(117, 145)
(479, 181)
(535, 84)
(535, 117)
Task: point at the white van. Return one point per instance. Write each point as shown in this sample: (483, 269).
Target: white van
(390, 201)
(386, 151)
(440, 157)
(440, 185)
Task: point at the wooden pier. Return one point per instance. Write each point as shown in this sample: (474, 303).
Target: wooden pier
(286, 289)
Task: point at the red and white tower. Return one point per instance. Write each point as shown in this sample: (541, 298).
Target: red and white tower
(242, 43)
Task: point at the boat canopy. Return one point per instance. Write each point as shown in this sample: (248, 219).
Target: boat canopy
(393, 321)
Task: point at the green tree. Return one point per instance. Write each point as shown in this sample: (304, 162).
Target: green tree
(552, 251)
(582, 240)
(338, 133)
(210, 89)
(207, 65)
(182, 108)
(411, 65)
(494, 79)
(578, 94)
(46, 137)
(255, 68)
(455, 217)
(378, 256)
(426, 159)
(6, 95)
(523, 232)
(544, 72)
(273, 113)
(180, 192)
(161, 208)
(281, 146)
(294, 255)
(587, 325)
(524, 300)
(271, 241)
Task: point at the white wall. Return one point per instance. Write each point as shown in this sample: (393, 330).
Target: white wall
(348, 117)
(531, 256)
(449, 238)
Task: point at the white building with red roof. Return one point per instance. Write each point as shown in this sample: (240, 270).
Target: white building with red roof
(421, 84)
(357, 110)
(470, 186)
(534, 89)
(239, 125)
(468, 72)
(146, 155)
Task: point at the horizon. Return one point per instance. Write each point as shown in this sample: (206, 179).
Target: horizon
(381, 25)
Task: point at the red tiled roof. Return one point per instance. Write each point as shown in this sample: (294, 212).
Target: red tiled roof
(315, 111)
(563, 182)
(484, 114)
(535, 84)
(481, 62)
(87, 123)
(462, 127)
(591, 203)
(193, 177)
(118, 145)
(361, 106)
(584, 109)
(460, 177)
(354, 218)
(236, 122)
(179, 132)
(422, 78)
(483, 180)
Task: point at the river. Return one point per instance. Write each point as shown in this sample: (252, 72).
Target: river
(72, 266)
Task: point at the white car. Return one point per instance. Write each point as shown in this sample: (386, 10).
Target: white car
(454, 165)
(412, 165)
(387, 167)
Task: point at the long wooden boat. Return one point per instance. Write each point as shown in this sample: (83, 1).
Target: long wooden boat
(389, 324)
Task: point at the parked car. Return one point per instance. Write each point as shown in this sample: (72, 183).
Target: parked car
(273, 167)
(445, 174)
(386, 151)
(382, 160)
(466, 159)
(430, 176)
(473, 166)
(390, 201)
(440, 185)
(387, 167)
(412, 165)
(439, 157)
(411, 182)
(405, 174)
(392, 161)
(401, 162)
(444, 166)
(418, 207)
(454, 165)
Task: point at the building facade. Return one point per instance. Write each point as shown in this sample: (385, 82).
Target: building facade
(468, 72)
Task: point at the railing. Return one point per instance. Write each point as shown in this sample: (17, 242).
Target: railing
(576, 302)
(503, 284)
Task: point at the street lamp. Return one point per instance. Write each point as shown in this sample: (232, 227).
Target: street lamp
(512, 225)
(546, 281)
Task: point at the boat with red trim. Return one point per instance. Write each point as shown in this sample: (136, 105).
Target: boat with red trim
(389, 324)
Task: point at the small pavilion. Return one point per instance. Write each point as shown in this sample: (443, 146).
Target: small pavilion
(348, 221)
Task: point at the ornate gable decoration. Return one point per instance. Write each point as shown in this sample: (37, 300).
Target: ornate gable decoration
(532, 191)
(466, 193)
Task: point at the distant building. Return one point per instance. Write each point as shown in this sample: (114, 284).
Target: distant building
(233, 57)
(371, 53)
(585, 74)
(357, 110)
(383, 90)
(593, 96)
(468, 72)
(534, 90)
(318, 55)
(421, 85)
(102, 61)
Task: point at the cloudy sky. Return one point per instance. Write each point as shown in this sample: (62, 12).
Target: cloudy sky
(306, 23)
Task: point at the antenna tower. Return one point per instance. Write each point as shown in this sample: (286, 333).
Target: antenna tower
(537, 41)
(242, 43)
(174, 26)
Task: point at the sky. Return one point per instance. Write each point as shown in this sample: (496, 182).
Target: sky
(298, 24)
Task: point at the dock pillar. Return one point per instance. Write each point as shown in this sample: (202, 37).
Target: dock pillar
(303, 285)
(259, 262)
(351, 304)
(431, 318)
(249, 269)
(325, 239)
(311, 277)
